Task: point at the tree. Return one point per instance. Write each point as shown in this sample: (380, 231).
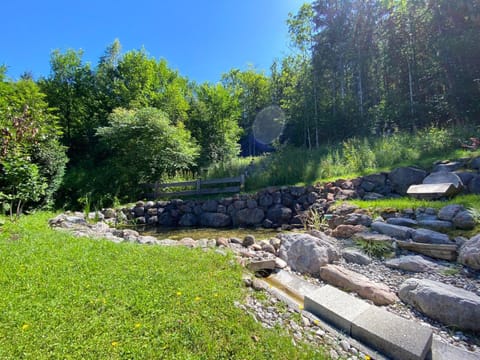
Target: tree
(144, 146)
(213, 122)
(70, 90)
(252, 89)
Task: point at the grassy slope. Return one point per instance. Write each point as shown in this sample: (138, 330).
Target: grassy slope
(63, 297)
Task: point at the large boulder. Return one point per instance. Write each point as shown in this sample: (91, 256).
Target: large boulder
(215, 220)
(413, 263)
(348, 280)
(188, 220)
(446, 303)
(464, 220)
(402, 178)
(469, 253)
(249, 217)
(448, 212)
(430, 237)
(306, 253)
(474, 185)
(444, 177)
(279, 214)
(396, 231)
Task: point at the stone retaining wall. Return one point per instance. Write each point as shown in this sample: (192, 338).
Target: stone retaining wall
(287, 206)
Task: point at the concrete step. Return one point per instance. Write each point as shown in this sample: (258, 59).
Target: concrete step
(335, 306)
(396, 337)
(393, 335)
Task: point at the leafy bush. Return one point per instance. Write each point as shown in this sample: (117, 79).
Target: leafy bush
(143, 146)
(32, 159)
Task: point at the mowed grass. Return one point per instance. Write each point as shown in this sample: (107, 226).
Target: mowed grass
(74, 298)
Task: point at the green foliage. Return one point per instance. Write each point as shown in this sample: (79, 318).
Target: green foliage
(21, 182)
(144, 147)
(66, 297)
(313, 219)
(213, 122)
(32, 161)
(378, 249)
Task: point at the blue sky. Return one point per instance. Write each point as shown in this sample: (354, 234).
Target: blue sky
(201, 39)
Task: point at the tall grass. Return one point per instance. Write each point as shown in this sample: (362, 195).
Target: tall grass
(351, 158)
(359, 156)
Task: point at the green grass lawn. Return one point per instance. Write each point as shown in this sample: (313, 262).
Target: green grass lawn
(69, 298)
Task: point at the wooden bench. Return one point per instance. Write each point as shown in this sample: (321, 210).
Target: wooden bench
(199, 187)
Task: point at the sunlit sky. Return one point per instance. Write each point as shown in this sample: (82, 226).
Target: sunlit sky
(201, 39)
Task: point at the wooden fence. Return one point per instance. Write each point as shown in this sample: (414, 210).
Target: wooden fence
(200, 187)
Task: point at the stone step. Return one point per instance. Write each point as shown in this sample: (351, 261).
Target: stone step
(393, 335)
(396, 337)
(291, 284)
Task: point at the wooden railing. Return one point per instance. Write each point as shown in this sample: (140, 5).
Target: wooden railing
(200, 187)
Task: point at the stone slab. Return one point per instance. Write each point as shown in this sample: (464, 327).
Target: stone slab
(335, 306)
(291, 284)
(444, 351)
(396, 337)
(257, 265)
(432, 191)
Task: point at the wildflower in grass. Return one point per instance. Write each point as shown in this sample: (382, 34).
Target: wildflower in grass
(138, 325)
(115, 343)
(367, 357)
(198, 298)
(25, 327)
(179, 293)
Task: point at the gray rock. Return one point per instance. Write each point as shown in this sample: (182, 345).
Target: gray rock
(265, 200)
(400, 221)
(469, 253)
(305, 253)
(166, 219)
(398, 232)
(138, 211)
(466, 177)
(251, 204)
(279, 214)
(215, 220)
(188, 220)
(373, 237)
(474, 185)
(402, 178)
(464, 220)
(430, 237)
(475, 163)
(357, 219)
(447, 167)
(356, 256)
(249, 217)
(438, 225)
(210, 206)
(413, 263)
(248, 240)
(444, 177)
(448, 212)
(446, 303)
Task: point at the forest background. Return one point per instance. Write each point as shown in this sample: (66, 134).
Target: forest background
(358, 70)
